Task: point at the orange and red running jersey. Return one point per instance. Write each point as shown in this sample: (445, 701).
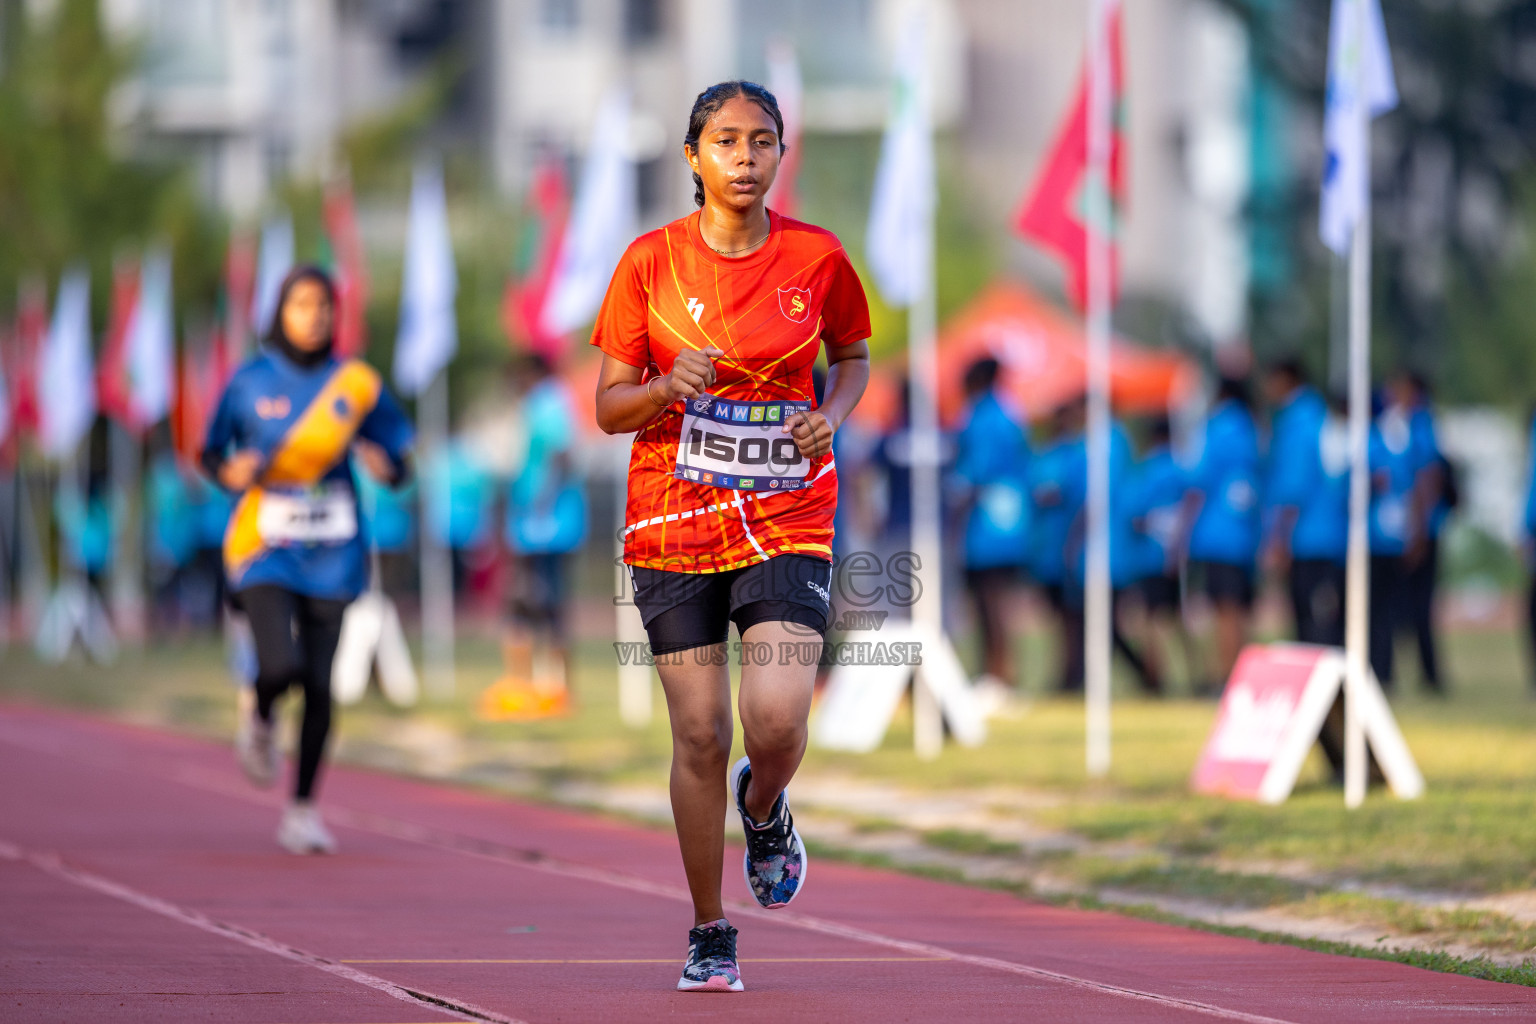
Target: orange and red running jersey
(770, 313)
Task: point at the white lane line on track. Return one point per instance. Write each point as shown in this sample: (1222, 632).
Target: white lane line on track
(488, 850)
(501, 853)
(52, 865)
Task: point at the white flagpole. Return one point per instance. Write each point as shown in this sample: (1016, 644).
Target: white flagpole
(1097, 611)
(1357, 573)
(927, 529)
(127, 594)
(437, 639)
(634, 674)
(927, 536)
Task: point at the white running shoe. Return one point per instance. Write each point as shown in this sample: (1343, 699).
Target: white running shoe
(303, 832)
(256, 747)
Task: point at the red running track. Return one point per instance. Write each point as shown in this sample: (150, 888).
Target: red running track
(139, 882)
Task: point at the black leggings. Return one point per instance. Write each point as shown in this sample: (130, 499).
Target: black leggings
(296, 640)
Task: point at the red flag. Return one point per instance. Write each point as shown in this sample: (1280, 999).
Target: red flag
(1055, 215)
(31, 330)
(114, 395)
(544, 217)
(351, 331)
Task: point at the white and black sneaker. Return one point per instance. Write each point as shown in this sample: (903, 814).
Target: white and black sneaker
(256, 747)
(775, 863)
(302, 832)
(711, 965)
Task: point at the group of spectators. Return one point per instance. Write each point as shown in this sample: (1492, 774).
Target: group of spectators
(1254, 494)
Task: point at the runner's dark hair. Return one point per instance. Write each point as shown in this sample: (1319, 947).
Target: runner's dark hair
(708, 104)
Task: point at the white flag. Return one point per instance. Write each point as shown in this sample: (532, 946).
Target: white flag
(604, 220)
(429, 333)
(151, 341)
(66, 382)
(272, 265)
(900, 236)
(1346, 170)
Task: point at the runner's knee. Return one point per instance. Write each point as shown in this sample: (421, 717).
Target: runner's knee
(774, 731)
(702, 739)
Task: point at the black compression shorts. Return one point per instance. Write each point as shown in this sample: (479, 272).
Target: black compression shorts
(682, 610)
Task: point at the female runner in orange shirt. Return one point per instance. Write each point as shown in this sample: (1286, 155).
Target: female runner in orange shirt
(709, 331)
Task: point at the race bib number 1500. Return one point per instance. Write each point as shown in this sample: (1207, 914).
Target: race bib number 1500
(741, 445)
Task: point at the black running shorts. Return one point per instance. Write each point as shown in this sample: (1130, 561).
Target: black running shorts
(683, 610)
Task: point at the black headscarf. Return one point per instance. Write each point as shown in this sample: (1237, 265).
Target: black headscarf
(278, 340)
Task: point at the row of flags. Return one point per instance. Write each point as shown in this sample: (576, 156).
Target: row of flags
(570, 246)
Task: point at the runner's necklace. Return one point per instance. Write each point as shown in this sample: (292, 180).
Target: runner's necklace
(732, 252)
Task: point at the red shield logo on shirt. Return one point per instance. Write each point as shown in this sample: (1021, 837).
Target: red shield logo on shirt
(795, 303)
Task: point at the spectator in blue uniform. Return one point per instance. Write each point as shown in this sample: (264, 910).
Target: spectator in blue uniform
(1224, 509)
(170, 526)
(1152, 509)
(1051, 526)
(1394, 529)
(389, 522)
(546, 523)
(1306, 505)
(1433, 493)
(1074, 496)
(1528, 544)
(991, 471)
(282, 439)
(459, 495)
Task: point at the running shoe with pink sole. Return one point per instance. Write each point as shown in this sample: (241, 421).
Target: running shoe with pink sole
(711, 965)
(775, 864)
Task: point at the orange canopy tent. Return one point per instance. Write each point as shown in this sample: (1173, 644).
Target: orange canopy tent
(1043, 356)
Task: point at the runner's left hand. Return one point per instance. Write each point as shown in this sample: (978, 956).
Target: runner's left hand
(375, 460)
(811, 431)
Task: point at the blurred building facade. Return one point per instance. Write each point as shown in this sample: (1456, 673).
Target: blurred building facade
(256, 90)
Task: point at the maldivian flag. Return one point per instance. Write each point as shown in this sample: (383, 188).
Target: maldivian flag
(66, 384)
(1347, 171)
(112, 388)
(542, 234)
(1055, 213)
(429, 333)
(899, 242)
(785, 84)
(194, 395)
(350, 269)
(604, 220)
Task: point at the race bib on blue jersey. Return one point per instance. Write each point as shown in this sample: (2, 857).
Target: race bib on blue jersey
(741, 445)
(319, 515)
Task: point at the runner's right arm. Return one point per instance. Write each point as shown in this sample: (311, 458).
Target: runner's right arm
(234, 471)
(625, 405)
